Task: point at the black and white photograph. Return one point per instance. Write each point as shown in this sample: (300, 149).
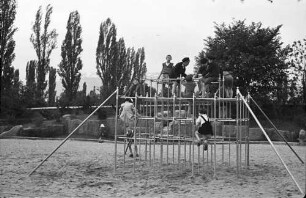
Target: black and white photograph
(153, 98)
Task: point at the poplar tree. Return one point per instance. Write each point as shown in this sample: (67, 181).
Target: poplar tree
(7, 46)
(117, 66)
(71, 64)
(52, 85)
(30, 88)
(106, 56)
(44, 42)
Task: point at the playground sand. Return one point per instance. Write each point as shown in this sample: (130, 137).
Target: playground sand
(85, 169)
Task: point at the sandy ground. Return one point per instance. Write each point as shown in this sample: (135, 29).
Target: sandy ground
(85, 169)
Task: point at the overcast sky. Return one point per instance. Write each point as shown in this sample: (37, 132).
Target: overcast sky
(162, 27)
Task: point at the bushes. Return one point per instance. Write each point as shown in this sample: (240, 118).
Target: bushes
(37, 119)
(51, 114)
(43, 131)
(300, 120)
(102, 114)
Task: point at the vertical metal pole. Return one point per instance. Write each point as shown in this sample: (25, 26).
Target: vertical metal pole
(193, 131)
(237, 133)
(185, 152)
(207, 158)
(168, 125)
(229, 143)
(155, 115)
(124, 147)
(135, 134)
(248, 133)
(150, 132)
(245, 132)
(215, 131)
(190, 144)
(203, 159)
(199, 152)
(211, 155)
(138, 129)
(146, 121)
(150, 136)
(116, 128)
(174, 97)
(240, 131)
(157, 90)
(161, 132)
(180, 117)
(215, 95)
(224, 115)
(179, 133)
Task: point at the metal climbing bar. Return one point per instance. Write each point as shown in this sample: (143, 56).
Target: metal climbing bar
(72, 133)
(169, 125)
(276, 129)
(269, 140)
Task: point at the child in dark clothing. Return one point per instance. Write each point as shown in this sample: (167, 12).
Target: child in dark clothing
(203, 130)
(189, 91)
(177, 72)
(189, 86)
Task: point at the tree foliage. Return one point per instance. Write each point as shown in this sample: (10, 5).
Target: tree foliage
(255, 56)
(139, 68)
(30, 87)
(106, 55)
(297, 71)
(71, 64)
(7, 47)
(52, 86)
(44, 42)
(117, 66)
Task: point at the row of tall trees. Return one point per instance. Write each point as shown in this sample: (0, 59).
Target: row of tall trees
(117, 65)
(9, 86)
(255, 55)
(44, 42)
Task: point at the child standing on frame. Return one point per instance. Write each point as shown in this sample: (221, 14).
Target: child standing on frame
(164, 74)
(204, 128)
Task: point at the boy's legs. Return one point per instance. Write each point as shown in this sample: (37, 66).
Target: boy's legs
(174, 88)
(197, 135)
(130, 148)
(208, 81)
(201, 86)
(131, 124)
(205, 138)
(135, 148)
(164, 82)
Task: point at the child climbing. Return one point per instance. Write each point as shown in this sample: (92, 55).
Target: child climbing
(204, 128)
(127, 116)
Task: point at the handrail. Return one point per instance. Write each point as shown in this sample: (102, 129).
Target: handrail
(72, 133)
(271, 143)
(276, 130)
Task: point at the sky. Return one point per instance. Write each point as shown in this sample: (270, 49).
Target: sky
(176, 27)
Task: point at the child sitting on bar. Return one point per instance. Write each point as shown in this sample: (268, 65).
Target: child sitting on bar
(189, 86)
(204, 128)
(189, 91)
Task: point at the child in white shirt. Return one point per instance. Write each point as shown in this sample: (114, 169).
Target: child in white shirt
(204, 128)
